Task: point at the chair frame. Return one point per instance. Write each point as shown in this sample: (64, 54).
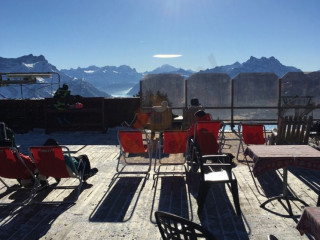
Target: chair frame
(123, 153)
(220, 171)
(173, 227)
(77, 174)
(18, 159)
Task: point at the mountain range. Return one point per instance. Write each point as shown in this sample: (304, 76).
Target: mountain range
(115, 81)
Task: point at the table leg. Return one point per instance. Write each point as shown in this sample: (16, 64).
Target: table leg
(284, 194)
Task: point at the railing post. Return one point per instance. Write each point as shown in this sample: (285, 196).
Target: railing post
(279, 99)
(232, 102)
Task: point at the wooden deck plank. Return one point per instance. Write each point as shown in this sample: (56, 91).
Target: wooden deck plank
(124, 209)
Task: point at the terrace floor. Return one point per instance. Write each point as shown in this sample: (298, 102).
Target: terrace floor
(124, 208)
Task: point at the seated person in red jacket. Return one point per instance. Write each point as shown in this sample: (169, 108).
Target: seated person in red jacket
(11, 142)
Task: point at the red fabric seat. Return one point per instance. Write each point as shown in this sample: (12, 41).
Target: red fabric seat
(141, 120)
(12, 166)
(131, 142)
(206, 136)
(50, 161)
(251, 133)
(174, 141)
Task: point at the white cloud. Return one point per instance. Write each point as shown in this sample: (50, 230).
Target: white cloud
(167, 55)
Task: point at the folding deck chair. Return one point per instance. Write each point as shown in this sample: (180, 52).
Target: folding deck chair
(251, 134)
(139, 121)
(206, 137)
(50, 162)
(12, 166)
(133, 145)
(172, 142)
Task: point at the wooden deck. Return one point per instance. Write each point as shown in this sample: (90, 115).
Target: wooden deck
(111, 207)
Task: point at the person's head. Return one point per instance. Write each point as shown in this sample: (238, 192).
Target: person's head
(195, 102)
(51, 142)
(65, 87)
(199, 113)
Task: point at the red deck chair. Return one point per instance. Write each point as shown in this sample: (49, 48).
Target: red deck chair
(205, 141)
(251, 133)
(139, 121)
(12, 166)
(132, 144)
(172, 142)
(50, 162)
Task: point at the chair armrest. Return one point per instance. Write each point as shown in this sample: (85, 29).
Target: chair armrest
(125, 124)
(221, 157)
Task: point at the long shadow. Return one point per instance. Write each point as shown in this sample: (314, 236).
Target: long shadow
(272, 185)
(118, 204)
(309, 177)
(32, 221)
(174, 197)
(219, 216)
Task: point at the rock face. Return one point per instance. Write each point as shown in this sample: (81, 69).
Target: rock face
(30, 63)
(255, 65)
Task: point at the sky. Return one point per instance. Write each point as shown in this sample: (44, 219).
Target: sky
(145, 34)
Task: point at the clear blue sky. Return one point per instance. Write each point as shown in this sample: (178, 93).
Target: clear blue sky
(206, 33)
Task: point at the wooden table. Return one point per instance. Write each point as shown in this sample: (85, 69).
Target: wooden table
(310, 222)
(273, 157)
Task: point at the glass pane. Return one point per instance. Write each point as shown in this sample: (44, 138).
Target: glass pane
(302, 92)
(212, 89)
(156, 88)
(256, 90)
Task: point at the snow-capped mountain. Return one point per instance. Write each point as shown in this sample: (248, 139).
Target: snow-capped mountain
(119, 81)
(30, 63)
(166, 68)
(255, 65)
(115, 80)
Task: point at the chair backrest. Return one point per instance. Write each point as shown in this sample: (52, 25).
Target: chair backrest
(175, 227)
(140, 121)
(293, 130)
(253, 133)
(206, 135)
(11, 165)
(50, 161)
(131, 141)
(174, 141)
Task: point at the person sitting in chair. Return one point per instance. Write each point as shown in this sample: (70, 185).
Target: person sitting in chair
(72, 162)
(10, 141)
